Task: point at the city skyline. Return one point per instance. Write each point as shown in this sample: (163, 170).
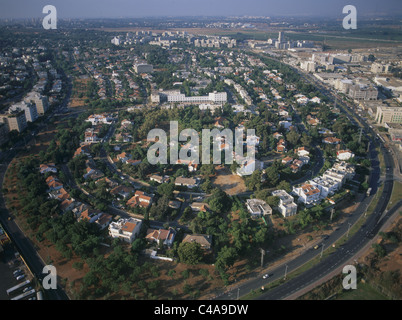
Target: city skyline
(180, 8)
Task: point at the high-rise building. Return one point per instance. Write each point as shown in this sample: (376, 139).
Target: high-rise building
(29, 108)
(40, 101)
(14, 120)
(388, 115)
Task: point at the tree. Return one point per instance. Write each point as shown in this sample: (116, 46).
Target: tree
(226, 258)
(293, 137)
(190, 252)
(166, 189)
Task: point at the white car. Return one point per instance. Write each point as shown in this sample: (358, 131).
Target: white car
(20, 277)
(265, 276)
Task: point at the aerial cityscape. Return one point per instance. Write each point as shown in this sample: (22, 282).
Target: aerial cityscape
(203, 151)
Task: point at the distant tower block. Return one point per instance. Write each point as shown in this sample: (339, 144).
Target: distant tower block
(280, 37)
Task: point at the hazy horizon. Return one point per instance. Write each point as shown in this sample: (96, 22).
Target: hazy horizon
(91, 9)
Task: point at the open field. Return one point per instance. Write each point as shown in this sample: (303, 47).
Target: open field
(230, 183)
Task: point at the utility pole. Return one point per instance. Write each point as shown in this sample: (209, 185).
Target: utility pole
(360, 136)
(347, 235)
(322, 250)
(262, 256)
(238, 293)
(332, 213)
(286, 270)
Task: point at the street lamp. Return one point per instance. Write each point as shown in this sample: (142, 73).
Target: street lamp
(347, 235)
(286, 270)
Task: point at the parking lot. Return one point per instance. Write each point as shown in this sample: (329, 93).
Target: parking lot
(11, 269)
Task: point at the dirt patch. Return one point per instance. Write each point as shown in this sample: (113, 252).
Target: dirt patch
(227, 181)
(80, 88)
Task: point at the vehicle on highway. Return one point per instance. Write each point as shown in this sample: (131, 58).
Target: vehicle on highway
(316, 247)
(265, 276)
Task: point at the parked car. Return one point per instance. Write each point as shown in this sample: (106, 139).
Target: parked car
(27, 289)
(20, 277)
(18, 271)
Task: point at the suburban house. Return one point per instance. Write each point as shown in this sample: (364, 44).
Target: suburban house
(91, 136)
(125, 229)
(45, 168)
(307, 193)
(122, 191)
(199, 206)
(53, 183)
(109, 182)
(159, 179)
(204, 240)
(344, 154)
(166, 236)
(258, 208)
(67, 205)
(104, 220)
(286, 206)
(96, 119)
(287, 161)
(331, 140)
(174, 204)
(90, 215)
(85, 149)
(186, 182)
(141, 199)
(302, 151)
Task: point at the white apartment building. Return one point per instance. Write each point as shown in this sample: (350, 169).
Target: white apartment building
(99, 118)
(327, 186)
(258, 207)
(286, 206)
(308, 193)
(388, 115)
(344, 154)
(214, 97)
(125, 229)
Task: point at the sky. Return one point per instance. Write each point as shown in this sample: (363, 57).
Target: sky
(148, 8)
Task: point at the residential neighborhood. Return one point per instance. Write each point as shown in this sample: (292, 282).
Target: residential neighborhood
(275, 149)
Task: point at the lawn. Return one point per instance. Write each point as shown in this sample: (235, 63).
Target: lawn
(396, 194)
(363, 292)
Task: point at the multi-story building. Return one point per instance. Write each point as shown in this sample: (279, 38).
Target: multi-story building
(258, 208)
(307, 193)
(327, 186)
(143, 68)
(286, 206)
(41, 102)
(125, 229)
(363, 92)
(388, 115)
(14, 120)
(30, 110)
(214, 97)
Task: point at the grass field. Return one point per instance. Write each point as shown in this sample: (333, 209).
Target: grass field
(396, 194)
(363, 292)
